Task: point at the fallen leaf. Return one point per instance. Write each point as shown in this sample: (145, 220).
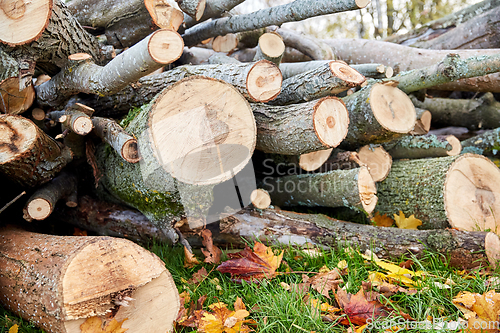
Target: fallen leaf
(189, 259)
(398, 274)
(223, 320)
(406, 264)
(482, 311)
(79, 232)
(14, 328)
(358, 309)
(199, 276)
(342, 265)
(211, 252)
(407, 222)
(382, 220)
(324, 282)
(94, 325)
(252, 265)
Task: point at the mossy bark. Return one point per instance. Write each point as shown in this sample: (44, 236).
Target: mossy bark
(418, 147)
(487, 143)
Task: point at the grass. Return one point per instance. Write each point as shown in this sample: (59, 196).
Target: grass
(277, 310)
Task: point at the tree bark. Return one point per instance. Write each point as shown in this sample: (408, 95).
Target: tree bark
(457, 191)
(353, 188)
(8, 66)
(301, 128)
(297, 10)
(379, 112)
(28, 156)
(57, 282)
(82, 75)
(76, 121)
(487, 143)
(122, 142)
(474, 114)
(290, 69)
(193, 8)
(462, 249)
(329, 79)
(42, 203)
(424, 146)
(213, 9)
(405, 58)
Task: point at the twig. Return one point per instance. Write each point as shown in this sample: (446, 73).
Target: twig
(12, 201)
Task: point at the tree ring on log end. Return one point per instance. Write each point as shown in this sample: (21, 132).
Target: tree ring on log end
(313, 160)
(456, 146)
(367, 190)
(130, 151)
(39, 209)
(346, 73)
(260, 198)
(82, 125)
(377, 160)
(22, 22)
(165, 46)
(392, 108)
(325, 110)
(13, 101)
(264, 81)
(17, 136)
(203, 130)
(492, 249)
(271, 44)
(472, 194)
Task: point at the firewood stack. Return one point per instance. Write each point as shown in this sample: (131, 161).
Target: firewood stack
(162, 122)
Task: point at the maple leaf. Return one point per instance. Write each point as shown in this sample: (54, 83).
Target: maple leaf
(198, 276)
(480, 310)
(252, 265)
(407, 222)
(324, 282)
(221, 319)
(382, 220)
(211, 252)
(94, 325)
(189, 259)
(358, 309)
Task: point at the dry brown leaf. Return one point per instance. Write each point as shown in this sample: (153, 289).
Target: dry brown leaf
(480, 310)
(189, 259)
(358, 309)
(94, 325)
(79, 232)
(407, 222)
(211, 252)
(382, 220)
(252, 265)
(199, 276)
(324, 282)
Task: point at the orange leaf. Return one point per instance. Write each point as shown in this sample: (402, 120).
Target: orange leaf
(211, 252)
(94, 325)
(189, 259)
(481, 310)
(249, 265)
(358, 309)
(79, 232)
(14, 328)
(382, 220)
(221, 320)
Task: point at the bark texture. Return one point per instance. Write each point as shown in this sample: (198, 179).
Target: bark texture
(422, 147)
(213, 9)
(487, 143)
(122, 142)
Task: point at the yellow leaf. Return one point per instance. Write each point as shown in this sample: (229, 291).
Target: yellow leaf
(342, 264)
(13, 328)
(407, 222)
(324, 269)
(382, 220)
(94, 325)
(480, 310)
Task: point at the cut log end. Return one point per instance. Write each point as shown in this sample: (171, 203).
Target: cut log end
(82, 125)
(456, 146)
(38, 114)
(23, 21)
(17, 135)
(218, 134)
(13, 101)
(164, 15)
(130, 151)
(264, 81)
(39, 209)
(472, 194)
(346, 73)
(367, 190)
(314, 160)
(392, 108)
(331, 121)
(271, 44)
(377, 160)
(42, 79)
(389, 72)
(492, 249)
(422, 125)
(225, 43)
(200, 9)
(79, 56)
(165, 46)
(362, 3)
(260, 198)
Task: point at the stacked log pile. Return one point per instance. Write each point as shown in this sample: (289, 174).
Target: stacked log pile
(152, 121)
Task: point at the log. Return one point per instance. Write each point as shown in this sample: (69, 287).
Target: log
(221, 58)
(329, 79)
(271, 47)
(339, 188)
(461, 249)
(260, 81)
(424, 146)
(290, 69)
(301, 128)
(377, 160)
(8, 66)
(76, 121)
(193, 8)
(297, 10)
(204, 138)
(12, 99)
(306, 44)
(291, 55)
(82, 75)
(42, 203)
(213, 9)
(486, 143)
(423, 123)
(28, 156)
(225, 44)
(477, 113)
(260, 198)
(378, 112)
(314, 160)
(66, 280)
(122, 142)
(457, 191)
(406, 58)
(195, 56)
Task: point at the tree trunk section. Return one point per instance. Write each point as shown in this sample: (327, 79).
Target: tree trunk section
(271, 47)
(290, 69)
(122, 142)
(213, 9)
(193, 8)
(65, 280)
(13, 100)
(340, 188)
(424, 146)
(301, 128)
(458, 191)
